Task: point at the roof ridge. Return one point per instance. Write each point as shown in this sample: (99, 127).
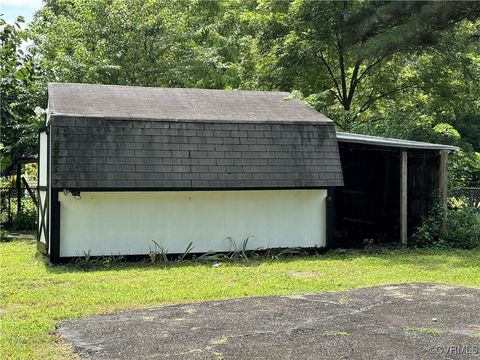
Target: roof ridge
(171, 88)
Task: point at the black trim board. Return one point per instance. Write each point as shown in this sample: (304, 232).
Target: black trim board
(45, 129)
(330, 221)
(48, 212)
(38, 193)
(143, 189)
(55, 229)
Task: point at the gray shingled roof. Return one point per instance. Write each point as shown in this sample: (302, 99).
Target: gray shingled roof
(224, 148)
(133, 102)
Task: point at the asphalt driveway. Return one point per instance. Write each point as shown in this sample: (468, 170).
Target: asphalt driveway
(409, 321)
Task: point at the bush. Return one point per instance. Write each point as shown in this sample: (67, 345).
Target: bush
(464, 169)
(462, 230)
(427, 235)
(27, 219)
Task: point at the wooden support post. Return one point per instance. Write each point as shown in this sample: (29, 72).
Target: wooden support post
(19, 187)
(403, 197)
(443, 187)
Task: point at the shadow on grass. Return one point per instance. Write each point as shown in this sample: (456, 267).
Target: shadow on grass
(8, 236)
(422, 259)
(144, 263)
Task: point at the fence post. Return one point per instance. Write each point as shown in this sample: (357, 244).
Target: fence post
(10, 219)
(19, 188)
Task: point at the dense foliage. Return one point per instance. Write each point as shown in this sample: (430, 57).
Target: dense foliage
(22, 93)
(401, 69)
(462, 230)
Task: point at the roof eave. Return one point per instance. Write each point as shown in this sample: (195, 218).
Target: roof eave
(391, 142)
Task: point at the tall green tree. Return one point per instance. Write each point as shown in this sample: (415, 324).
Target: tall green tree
(404, 69)
(149, 43)
(349, 46)
(21, 94)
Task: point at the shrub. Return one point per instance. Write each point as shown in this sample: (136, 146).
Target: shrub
(27, 218)
(427, 235)
(462, 230)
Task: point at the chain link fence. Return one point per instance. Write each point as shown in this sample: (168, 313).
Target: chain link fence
(468, 196)
(8, 201)
(9, 216)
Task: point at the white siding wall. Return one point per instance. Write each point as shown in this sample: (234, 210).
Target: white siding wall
(110, 223)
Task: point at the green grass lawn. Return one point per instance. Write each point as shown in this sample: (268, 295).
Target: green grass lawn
(36, 296)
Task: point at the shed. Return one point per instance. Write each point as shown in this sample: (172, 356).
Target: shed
(129, 170)
(391, 185)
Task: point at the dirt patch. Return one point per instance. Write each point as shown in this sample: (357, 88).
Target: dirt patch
(304, 274)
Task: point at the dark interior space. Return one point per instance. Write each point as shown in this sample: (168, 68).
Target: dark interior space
(368, 206)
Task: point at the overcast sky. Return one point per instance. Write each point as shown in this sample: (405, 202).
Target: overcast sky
(13, 8)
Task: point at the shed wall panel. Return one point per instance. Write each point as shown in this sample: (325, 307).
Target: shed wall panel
(43, 218)
(43, 201)
(128, 223)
